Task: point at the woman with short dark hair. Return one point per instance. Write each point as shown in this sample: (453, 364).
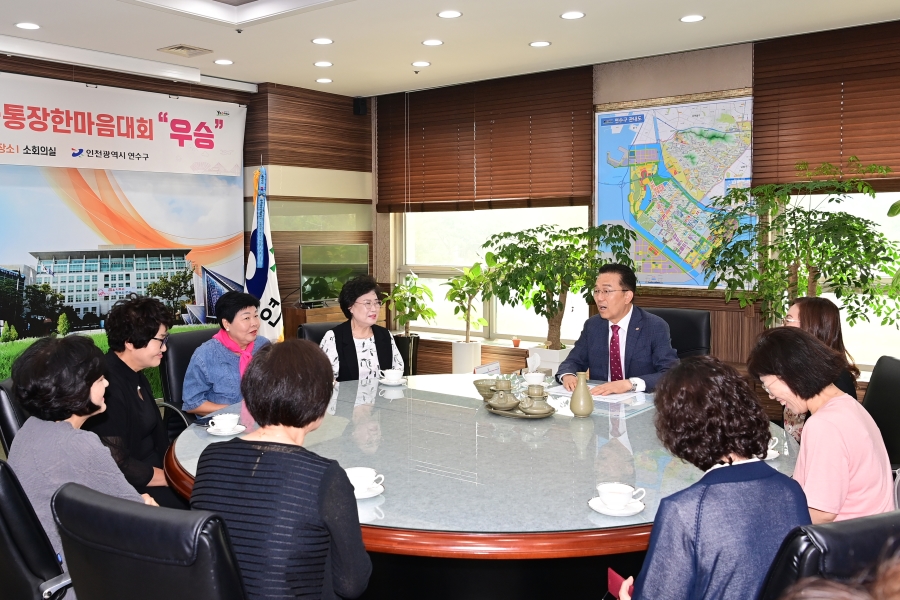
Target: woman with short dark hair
(358, 348)
(60, 382)
(718, 537)
(291, 513)
(843, 465)
(213, 378)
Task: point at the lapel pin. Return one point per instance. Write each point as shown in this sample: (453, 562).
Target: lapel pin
(637, 328)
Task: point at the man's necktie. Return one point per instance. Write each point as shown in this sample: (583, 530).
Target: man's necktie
(615, 357)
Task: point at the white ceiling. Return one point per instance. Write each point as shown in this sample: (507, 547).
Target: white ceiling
(375, 41)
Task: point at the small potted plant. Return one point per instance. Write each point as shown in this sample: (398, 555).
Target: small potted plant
(472, 282)
(407, 302)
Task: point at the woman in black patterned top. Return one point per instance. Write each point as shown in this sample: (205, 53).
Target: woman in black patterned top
(291, 513)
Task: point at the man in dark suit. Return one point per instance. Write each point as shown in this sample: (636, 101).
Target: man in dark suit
(624, 345)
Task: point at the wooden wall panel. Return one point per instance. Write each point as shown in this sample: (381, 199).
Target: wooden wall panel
(435, 357)
(306, 128)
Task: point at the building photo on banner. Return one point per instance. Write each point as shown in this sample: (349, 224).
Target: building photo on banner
(107, 192)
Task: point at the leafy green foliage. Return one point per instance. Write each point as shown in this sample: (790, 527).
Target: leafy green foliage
(176, 290)
(62, 325)
(471, 283)
(407, 300)
(539, 267)
(319, 287)
(772, 239)
(9, 333)
(894, 210)
(42, 303)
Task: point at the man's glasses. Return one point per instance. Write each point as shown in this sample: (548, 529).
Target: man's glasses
(162, 341)
(369, 304)
(605, 293)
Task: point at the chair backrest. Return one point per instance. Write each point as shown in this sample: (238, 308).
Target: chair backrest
(12, 415)
(122, 549)
(26, 557)
(690, 330)
(314, 332)
(179, 350)
(882, 400)
(838, 551)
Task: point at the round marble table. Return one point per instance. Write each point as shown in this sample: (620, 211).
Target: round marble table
(463, 483)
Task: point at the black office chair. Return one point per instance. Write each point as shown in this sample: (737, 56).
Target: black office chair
(29, 569)
(690, 330)
(172, 369)
(12, 415)
(882, 400)
(839, 551)
(118, 549)
(314, 332)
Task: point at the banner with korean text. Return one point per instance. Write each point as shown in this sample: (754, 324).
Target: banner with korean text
(107, 192)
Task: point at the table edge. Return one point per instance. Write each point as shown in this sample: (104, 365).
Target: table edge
(450, 544)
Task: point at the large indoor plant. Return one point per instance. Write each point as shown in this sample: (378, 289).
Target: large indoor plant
(776, 242)
(407, 302)
(472, 283)
(539, 267)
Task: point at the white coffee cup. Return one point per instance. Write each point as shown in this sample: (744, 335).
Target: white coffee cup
(363, 478)
(533, 378)
(392, 375)
(618, 495)
(224, 422)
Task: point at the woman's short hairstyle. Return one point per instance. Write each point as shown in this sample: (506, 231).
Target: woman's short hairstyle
(136, 320)
(288, 383)
(822, 318)
(705, 411)
(231, 303)
(625, 273)
(52, 379)
(805, 364)
(353, 289)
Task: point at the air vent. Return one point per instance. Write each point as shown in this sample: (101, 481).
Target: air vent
(185, 51)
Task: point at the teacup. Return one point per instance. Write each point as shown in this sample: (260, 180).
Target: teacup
(363, 478)
(772, 443)
(536, 390)
(391, 393)
(533, 378)
(618, 495)
(224, 422)
(503, 384)
(392, 375)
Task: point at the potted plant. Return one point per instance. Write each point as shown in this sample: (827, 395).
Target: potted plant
(775, 242)
(407, 301)
(539, 267)
(471, 283)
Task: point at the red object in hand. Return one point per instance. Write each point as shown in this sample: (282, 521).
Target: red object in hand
(614, 581)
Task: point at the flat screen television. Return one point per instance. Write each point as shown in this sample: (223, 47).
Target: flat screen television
(324, 268)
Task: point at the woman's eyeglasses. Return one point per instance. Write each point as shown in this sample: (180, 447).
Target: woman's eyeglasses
(369, 304)
(789, 320)
(162, 341)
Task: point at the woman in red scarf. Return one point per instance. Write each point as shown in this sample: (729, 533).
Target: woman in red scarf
(213, 379)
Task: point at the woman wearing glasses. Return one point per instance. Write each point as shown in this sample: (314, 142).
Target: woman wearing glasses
(358, 348)
(131, 427)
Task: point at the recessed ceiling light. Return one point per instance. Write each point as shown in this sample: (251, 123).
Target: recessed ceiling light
(421, 63)
(322, 41)
(449, 14)
(224, 61)
(323, 80)
(692, 18)
(572, 14)
(432, 42)
(539, 44)
(323, 63)
(28, 26)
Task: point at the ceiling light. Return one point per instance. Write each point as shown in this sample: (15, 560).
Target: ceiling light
(539, 44)
(224, 61)
(432, 42)
(572, 14)
(323, 80)
(322, 41)
(323, 63)
(28, 26)
(692, 18)
(421, 63)
(449, 14)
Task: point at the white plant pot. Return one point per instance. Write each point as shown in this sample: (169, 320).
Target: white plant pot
(466, 356)
(550, 359)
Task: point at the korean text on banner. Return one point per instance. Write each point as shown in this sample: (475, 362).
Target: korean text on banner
(51, 123)
(261, 277)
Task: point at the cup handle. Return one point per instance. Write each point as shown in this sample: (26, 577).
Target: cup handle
(381, 393)
(634, 495)
(380, 374)
(378, 481)
(379, 514)
(773, 442)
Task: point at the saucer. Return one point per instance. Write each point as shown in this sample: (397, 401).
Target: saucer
(632, 508)
(400, 381)
(772, 455)
(237, 429)
(532, 411)
(371, 492)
